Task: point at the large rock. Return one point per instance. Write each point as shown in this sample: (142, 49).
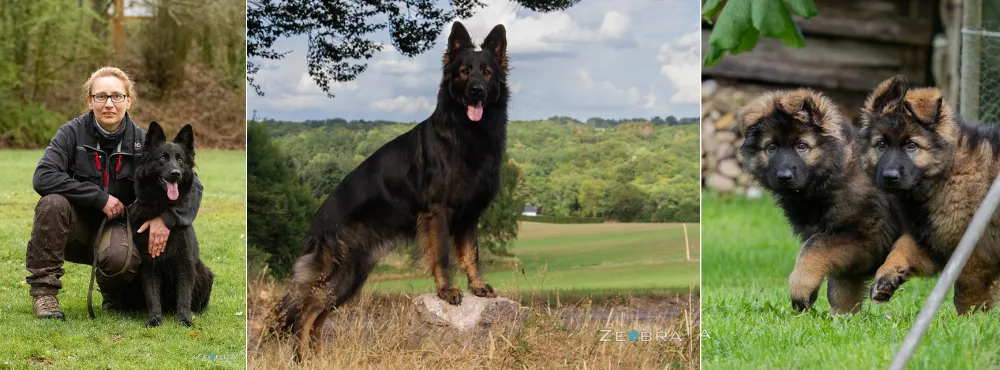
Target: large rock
(472, 313)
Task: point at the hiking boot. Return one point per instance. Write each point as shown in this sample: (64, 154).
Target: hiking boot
(47, 307)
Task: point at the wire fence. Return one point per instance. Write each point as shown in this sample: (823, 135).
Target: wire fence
(979, 98)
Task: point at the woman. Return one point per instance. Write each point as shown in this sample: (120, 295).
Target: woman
(85, 176)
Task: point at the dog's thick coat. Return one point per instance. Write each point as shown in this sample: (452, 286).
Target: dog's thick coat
(431, 183)
(941, 169)
(800, 148)
(177, 277)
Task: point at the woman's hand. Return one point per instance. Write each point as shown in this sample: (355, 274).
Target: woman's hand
(158, 233)
(113, 208)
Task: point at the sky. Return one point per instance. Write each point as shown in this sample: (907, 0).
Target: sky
(609, 59)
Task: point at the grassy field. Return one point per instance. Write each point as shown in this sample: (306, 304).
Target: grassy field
(582, 257)
(117, 341)
(749, 253)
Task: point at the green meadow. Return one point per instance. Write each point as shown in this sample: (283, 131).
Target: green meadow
(582, 257)
(119, 341)
(749, 251)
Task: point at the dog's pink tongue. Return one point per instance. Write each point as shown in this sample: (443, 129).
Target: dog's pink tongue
(172, 192)
(476, 112)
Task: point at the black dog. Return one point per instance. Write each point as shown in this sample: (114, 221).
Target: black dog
(431, 183)
(164, 177)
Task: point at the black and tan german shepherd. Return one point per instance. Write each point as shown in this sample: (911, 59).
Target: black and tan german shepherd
(431, 183)
(177, 277)
(803, 151)
(941, 169)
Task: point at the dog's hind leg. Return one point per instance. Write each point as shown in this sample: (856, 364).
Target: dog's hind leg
(976, 286)
(311, 309)
(905, 261)
(432, 238)
(466, 246)
(845, 294)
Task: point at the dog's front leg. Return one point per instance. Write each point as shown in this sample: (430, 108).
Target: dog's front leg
(151, 288)
(433, 239)
(185, 286)
(820, 257)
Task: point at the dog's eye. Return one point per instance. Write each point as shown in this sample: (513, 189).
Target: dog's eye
(772, 147)
(880, 145)
(487, 72)
(801, 146)
(164, 157)
(463, 70)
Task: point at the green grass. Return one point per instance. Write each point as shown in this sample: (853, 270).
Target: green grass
(585, 257)
(746, 310)
(116, 341)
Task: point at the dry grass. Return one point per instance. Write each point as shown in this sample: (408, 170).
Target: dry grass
(379, 331)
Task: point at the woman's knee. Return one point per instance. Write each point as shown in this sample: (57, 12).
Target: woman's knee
(53, 204)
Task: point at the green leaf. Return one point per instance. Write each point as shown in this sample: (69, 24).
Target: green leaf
(712, 57)
(768, 17)
(747, 42)
(709, 8)
(733, 22)
(802, 8)
(791, 36)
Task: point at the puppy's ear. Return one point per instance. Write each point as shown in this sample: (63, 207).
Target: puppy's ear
(496, 43)
(154, 135)
(927, 115)
(458, 40)
(887, 96)
(186, 138)
(808, 112)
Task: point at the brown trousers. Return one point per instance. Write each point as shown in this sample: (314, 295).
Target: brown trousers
(61, 232)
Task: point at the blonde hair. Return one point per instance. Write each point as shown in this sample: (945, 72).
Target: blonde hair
(108, 72)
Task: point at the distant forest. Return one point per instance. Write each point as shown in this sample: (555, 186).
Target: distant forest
(628, 170)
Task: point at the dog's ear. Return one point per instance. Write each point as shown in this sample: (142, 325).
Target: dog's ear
(186, 138)
(927, 116)
(154, 135)
(808, 112)
(458, 39)
(496, 43)
(887, 96)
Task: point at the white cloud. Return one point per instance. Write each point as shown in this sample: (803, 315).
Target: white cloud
(614, 25)
(308, 86)
(607, 91)
(405, 104)
(682, 66)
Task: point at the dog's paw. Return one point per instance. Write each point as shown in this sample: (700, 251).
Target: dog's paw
(186, 321)
(802, 303)
(154, 321)
(485, 291)
(884, 287)
(451, 295)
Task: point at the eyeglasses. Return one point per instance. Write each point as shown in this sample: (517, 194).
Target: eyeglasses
(115, 98)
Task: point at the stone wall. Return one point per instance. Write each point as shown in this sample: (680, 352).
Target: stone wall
(721, 169)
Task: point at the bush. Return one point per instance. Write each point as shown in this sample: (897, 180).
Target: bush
(561, 219)
(27, 125)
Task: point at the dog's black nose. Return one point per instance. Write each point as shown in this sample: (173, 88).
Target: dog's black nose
(477, 90)
(175, 175)
(890, 176)
(785, 175)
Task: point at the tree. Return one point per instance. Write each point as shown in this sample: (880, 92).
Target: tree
(279, 207)
(341, 32)
(671, 121)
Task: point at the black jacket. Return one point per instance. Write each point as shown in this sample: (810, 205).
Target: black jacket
(75, 167)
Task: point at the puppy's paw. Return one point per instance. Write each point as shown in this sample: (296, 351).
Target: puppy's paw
(885, 286)
(802, 302)
(485, 291)
(451, 295)
(186, 321)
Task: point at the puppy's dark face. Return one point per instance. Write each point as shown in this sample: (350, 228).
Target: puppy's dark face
(788, 152)
(475, 79)
(167, 166)
(903, 145)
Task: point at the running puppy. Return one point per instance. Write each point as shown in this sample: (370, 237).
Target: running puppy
(941, 169)
(802, 150)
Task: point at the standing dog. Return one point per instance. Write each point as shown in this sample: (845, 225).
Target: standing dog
(802, 150)
(177, 277)
(941, 170)
(431, 183)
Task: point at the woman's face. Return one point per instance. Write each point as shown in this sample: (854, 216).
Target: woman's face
(108, 112)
